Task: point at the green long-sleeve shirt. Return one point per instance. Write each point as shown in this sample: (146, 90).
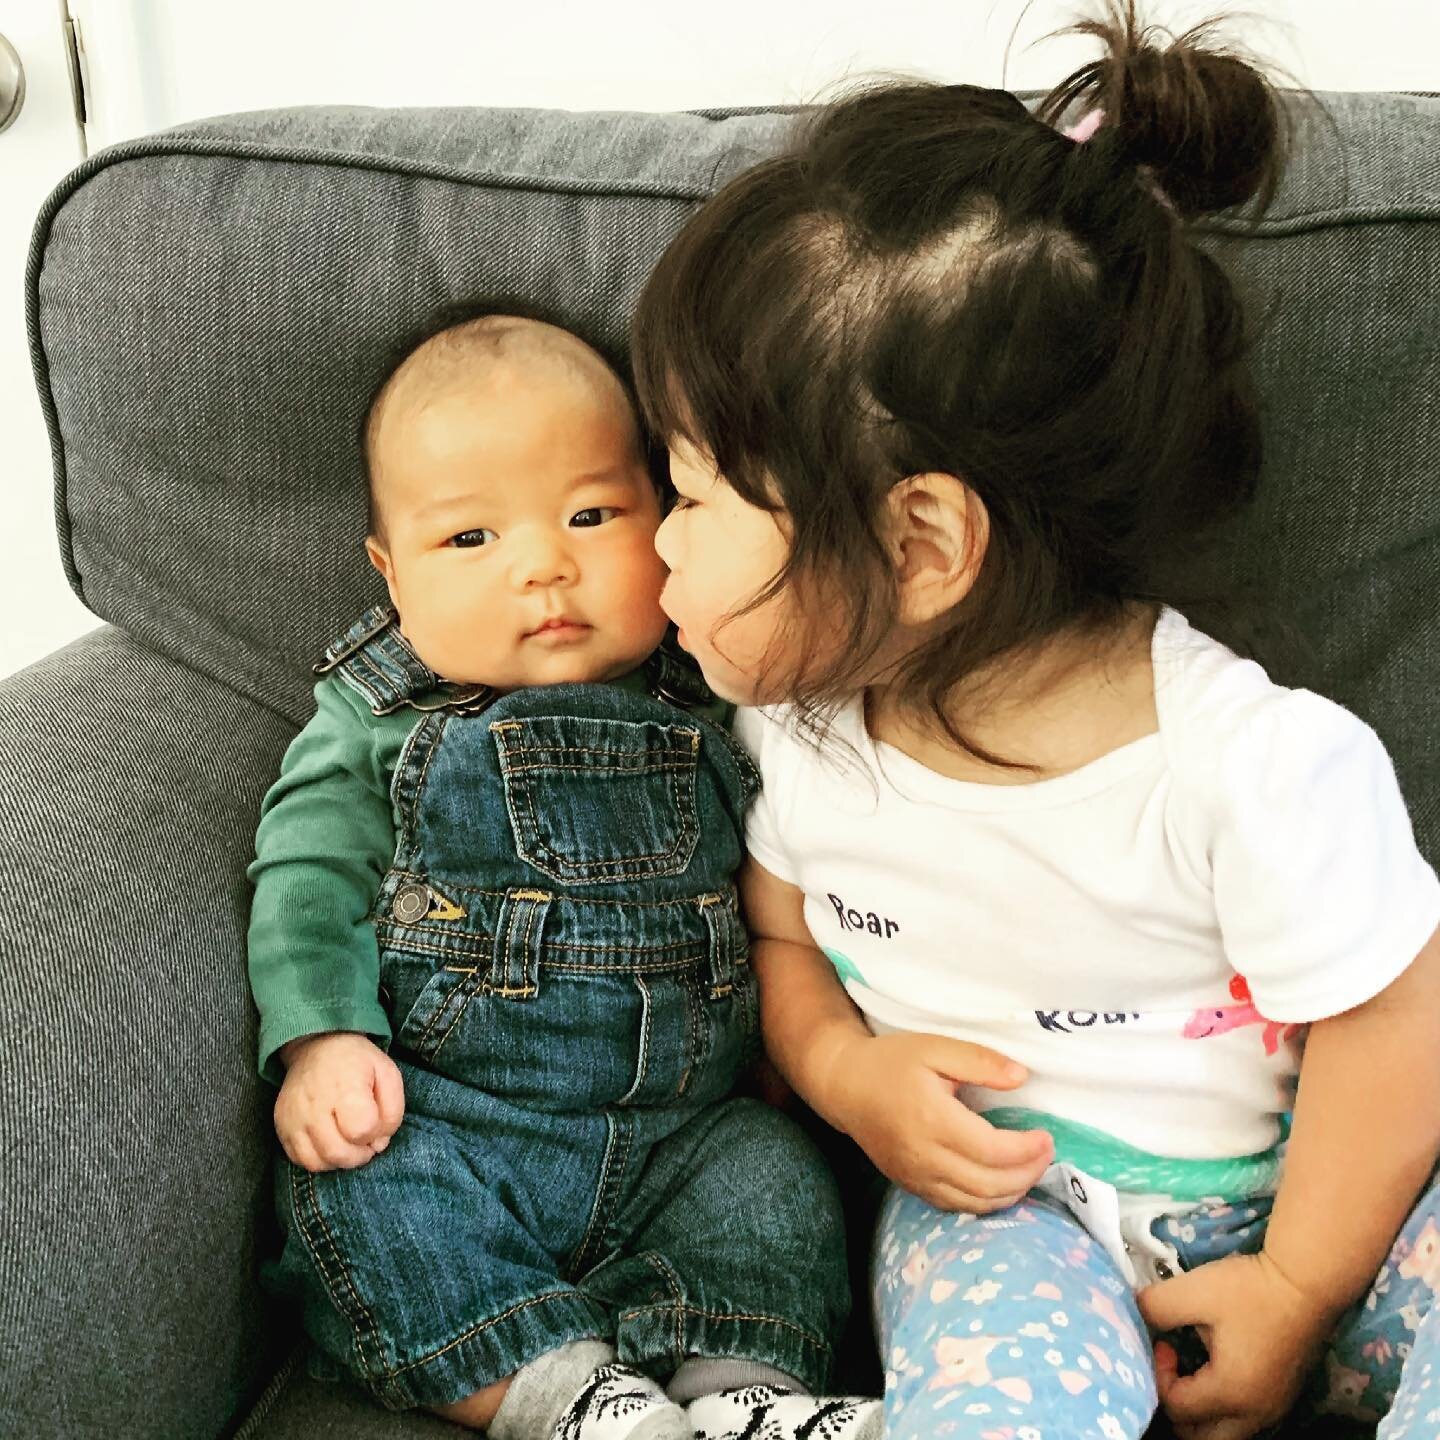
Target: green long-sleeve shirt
(325, 840)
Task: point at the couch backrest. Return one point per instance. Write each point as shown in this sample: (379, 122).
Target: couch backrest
(210, 308)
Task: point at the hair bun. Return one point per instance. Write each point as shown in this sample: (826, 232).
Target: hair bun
(1201, 118)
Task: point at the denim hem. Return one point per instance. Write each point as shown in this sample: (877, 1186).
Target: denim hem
(489, 1351)
(658, 1338)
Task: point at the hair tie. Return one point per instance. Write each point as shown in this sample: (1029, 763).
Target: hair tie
(1085, 127)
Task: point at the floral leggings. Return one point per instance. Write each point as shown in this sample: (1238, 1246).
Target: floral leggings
(1018, 1326)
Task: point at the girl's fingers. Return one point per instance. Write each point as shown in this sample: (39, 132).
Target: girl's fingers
(1182, 1300)
(978, 1141)
(1199, 1399)
(985, 1190)
(1167, 1368)
(987, 1185)
(967, 1064)
(949, 1198)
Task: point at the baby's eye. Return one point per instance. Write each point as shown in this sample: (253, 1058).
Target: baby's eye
(595, 515)
(468, 539)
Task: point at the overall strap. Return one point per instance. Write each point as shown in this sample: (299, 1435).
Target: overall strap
(674, 677)
(376, 660)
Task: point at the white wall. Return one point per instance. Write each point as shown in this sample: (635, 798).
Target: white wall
(152, 63)
(189, 58)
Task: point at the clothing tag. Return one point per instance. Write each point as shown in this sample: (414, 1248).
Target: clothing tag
(1095, 1205)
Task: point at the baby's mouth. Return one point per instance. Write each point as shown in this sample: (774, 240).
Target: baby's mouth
(558, 627)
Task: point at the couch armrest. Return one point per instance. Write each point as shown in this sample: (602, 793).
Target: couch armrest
(134, 1133)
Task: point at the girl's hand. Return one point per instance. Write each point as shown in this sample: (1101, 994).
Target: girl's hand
(1263, 1334)
(342, 1100)
(895, 1096)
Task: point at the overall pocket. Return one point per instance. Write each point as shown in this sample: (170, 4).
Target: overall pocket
(599, 801)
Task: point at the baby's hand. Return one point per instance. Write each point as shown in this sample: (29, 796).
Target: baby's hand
(895, 1096)
(342, 1100)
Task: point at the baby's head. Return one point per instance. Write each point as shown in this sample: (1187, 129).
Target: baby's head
(946, 381)
(512, 509)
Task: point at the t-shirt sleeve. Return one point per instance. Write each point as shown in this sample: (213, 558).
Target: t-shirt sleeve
(766, 742)
(325, 839)
(1321, 894)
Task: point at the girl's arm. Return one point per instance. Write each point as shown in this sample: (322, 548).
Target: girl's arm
(893, 1094)
(805, 1014)
(1366, 1136)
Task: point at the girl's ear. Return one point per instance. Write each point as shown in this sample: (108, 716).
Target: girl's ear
(939, 531)
(380, 559)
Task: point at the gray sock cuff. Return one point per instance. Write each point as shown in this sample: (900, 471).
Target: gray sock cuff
(708, 1375)
(541, 1391)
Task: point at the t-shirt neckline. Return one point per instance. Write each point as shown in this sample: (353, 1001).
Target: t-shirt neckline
(904, 774)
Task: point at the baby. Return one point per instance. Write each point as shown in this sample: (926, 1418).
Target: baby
(502, 979)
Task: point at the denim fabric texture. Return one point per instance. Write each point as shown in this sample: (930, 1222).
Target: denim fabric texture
(567, 978)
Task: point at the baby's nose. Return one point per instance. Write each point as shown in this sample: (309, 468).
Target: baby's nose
(543, 560)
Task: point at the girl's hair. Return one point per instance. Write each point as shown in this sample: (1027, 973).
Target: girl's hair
(934, 279)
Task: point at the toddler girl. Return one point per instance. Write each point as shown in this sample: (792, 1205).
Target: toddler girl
(1047, 885)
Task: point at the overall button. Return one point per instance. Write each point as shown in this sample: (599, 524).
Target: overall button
(411, 902)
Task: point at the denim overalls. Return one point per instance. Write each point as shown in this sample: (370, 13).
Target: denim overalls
(566, 974)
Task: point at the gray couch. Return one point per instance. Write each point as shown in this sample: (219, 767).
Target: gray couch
(209, 307)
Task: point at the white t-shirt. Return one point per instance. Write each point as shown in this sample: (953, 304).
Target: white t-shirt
(1120, 930)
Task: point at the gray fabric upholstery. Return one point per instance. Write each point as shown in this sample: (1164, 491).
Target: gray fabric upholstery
(133, 1135)
(209, 310)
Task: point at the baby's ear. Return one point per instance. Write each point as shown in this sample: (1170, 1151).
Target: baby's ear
(380, 559)
(939, 529)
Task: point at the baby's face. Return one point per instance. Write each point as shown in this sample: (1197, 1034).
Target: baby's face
(517, 523)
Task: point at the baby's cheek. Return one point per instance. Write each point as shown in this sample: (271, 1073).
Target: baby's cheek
(633, 589)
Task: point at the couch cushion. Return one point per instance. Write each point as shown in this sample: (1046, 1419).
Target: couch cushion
(211, 307)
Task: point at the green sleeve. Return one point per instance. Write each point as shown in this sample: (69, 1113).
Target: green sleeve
(325, 841)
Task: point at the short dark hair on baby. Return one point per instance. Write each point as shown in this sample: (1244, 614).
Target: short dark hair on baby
(467, 318)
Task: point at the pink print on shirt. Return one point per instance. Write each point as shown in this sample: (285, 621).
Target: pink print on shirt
(1224, 1018)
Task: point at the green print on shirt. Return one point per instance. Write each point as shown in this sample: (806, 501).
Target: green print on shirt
(1127, 1167)
(845, 967)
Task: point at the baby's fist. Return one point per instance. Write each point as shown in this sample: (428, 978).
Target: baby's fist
(342, 1100)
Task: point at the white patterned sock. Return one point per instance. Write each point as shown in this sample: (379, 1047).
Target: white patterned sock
(768, 1412)
(619, 1403)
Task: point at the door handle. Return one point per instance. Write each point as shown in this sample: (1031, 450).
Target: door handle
(12, 83)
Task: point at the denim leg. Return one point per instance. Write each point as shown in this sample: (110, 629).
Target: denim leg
(1012, 1325)
(730, 1245)
(420, 1272)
